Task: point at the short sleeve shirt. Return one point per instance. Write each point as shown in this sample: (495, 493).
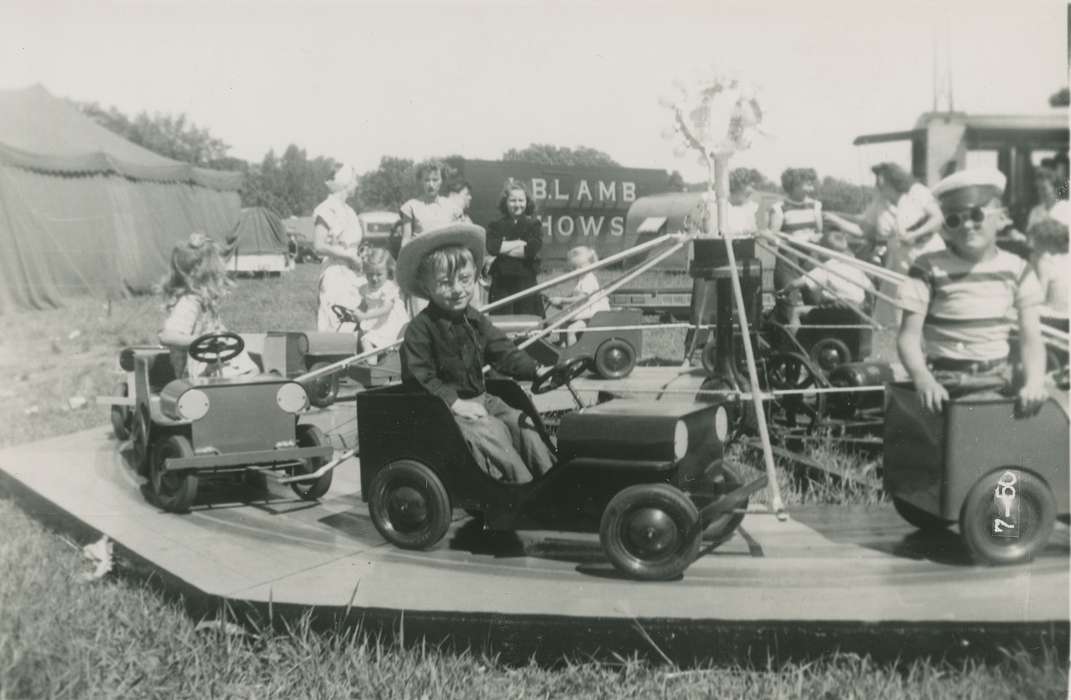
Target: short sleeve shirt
(425, 216)
(970, 307)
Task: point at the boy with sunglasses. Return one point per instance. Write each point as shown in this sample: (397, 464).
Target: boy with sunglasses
(960, 303)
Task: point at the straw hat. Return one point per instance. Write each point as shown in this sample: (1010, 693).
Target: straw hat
(468, 236)
(345, 178)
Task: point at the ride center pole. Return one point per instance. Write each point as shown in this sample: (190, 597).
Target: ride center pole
(721, 181)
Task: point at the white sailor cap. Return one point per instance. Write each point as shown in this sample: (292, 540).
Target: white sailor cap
(973, 187)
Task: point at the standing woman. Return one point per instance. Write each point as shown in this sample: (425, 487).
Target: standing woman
(337, 234)
(430, 210)
(918, 216)
(515, 240)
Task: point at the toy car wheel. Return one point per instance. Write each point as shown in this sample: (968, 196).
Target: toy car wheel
(722, 526)
(1007, 517)
(650, 532)
(173, 491)
(830, 353)
(927, 522)
(311, 436)
(409, 505)
(614, 358)
(323, 390)
(122, 416)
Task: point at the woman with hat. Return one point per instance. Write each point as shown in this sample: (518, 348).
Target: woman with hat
(337, 235)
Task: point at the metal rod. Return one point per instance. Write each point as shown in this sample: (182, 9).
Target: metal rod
(783, 258)
(319, 472)
(346, 362)
(607, 291)
(815, 261)
(879, 271)
(721, 178)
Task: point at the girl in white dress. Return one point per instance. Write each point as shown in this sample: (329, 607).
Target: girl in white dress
(382, 311)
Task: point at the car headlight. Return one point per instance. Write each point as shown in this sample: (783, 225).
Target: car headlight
(680, 440)
(292, 397)
(192, 405)
(721, 423)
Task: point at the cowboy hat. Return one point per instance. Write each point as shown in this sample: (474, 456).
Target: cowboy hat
(406, 272)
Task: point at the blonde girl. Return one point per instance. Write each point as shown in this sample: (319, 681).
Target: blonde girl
(193, 291)
(382, 311)
(586, 287)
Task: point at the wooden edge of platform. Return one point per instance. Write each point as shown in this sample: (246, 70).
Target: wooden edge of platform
(549, 639)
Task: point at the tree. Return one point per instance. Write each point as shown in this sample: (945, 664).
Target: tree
(169, 135)
(842, 196)
(388, 186)
(547, 154)
(290, 185)
(1060, 98)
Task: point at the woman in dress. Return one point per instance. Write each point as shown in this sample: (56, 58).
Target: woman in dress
(337, 236)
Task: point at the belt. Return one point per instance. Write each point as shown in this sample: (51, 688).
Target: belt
(949, 364)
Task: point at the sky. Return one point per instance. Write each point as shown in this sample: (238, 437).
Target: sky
(359, 80)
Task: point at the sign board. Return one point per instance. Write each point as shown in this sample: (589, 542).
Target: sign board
(578, 205)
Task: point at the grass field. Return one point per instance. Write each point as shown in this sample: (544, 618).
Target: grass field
(60, 637)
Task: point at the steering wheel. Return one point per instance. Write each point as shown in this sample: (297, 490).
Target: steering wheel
(216, 347)
(562, 374)
(343, 314)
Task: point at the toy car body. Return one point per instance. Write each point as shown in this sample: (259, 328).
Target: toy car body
(830, 348)
(186, 428)
(614, 352)
(293, 353)
(649, 477)
(1002, 475)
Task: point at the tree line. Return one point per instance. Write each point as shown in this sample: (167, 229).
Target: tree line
(292, 183)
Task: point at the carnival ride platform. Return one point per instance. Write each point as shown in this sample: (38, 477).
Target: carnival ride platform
(850, 578)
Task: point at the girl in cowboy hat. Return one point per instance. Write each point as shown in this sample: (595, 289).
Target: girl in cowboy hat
(193, 291)
(337, 236)
(447, 345)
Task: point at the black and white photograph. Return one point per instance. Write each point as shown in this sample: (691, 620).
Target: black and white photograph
(534, 349)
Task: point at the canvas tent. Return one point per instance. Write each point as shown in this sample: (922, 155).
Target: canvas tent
(83, 210)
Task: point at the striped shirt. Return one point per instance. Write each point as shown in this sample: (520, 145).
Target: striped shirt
(799, 219)
(970, 307)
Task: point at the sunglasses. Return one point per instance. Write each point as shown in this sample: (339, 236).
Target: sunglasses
(957, 219)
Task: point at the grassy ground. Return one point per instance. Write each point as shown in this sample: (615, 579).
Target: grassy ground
(60, 637)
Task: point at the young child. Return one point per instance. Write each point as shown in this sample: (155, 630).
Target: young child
(799, 216)
(959, 303)
(382, 311)
(586, 286)
(832, 282)
(447, 345)
(193, 291)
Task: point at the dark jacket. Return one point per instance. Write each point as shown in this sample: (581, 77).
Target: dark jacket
(445, 353)
(528, 229)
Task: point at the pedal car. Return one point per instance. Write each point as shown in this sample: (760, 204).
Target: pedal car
(186, 429)
(649, 477)
(1002, 475)
(614, 352)
(831, 347)
(293, 353)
